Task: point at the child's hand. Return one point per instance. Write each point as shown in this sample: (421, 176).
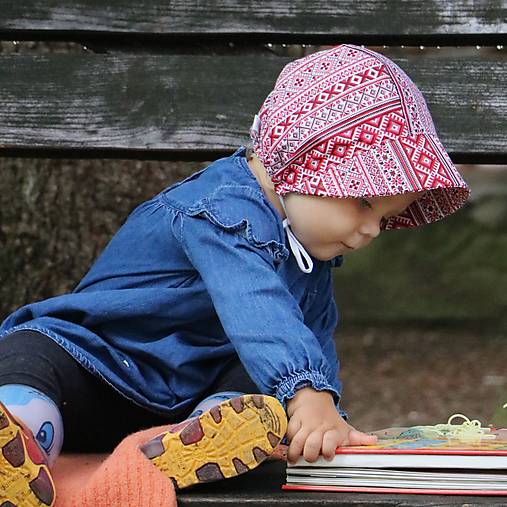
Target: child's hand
(315, 427)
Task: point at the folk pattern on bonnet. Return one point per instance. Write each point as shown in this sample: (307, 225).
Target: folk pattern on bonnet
(348, 122)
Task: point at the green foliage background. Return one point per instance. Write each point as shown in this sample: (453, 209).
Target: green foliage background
(450, 272)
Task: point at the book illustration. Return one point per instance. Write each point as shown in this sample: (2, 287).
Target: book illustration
(445, 445)
(449, 437)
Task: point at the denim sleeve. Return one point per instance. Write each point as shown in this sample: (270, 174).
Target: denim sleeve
(259, 315)
(322, 321)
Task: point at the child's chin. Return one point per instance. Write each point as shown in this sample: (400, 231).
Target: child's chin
(328, 257)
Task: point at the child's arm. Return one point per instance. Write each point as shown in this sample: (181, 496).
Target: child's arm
(259, 314)
(315, 427)
(266, 326)
(322, 319)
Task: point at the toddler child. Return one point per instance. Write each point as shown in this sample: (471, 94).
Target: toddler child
(198, 298)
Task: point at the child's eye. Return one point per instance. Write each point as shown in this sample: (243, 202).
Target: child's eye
(365, 203)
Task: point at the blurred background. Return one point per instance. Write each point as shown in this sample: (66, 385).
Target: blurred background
(423, 312)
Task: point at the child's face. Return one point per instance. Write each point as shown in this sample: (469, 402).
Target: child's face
(328, 226)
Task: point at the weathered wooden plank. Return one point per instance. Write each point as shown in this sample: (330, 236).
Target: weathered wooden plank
(205, 103)
(309, 17)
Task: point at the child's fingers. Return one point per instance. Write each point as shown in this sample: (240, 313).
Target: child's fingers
(296, 446)
(293, 427)
(330, 442)
(359, 438)
(312, 446)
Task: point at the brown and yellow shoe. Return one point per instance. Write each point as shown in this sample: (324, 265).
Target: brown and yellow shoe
(227, 440)
(25, 480)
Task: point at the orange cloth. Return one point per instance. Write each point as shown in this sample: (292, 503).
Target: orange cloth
(124, 478)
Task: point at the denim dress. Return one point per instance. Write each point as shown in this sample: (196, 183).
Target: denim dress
(197, 274)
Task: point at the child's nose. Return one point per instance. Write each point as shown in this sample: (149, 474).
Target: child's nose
(370, 228)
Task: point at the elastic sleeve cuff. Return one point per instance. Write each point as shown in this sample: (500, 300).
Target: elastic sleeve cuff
(288, 387)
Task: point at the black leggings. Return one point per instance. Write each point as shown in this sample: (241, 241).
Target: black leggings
(96, 417)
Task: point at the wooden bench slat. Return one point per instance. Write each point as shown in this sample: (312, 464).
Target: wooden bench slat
(203, 103)
(386, 17)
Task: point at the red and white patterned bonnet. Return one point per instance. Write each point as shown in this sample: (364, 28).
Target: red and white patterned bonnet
(348, 122)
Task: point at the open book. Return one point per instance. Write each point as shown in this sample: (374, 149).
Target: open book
(440, 465)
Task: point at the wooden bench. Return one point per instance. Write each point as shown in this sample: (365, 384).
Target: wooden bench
(182, 80)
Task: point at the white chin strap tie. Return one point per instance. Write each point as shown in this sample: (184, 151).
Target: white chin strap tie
(296, 247)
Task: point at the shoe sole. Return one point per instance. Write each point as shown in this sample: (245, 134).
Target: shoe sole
(23, 483)
(228, 440)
